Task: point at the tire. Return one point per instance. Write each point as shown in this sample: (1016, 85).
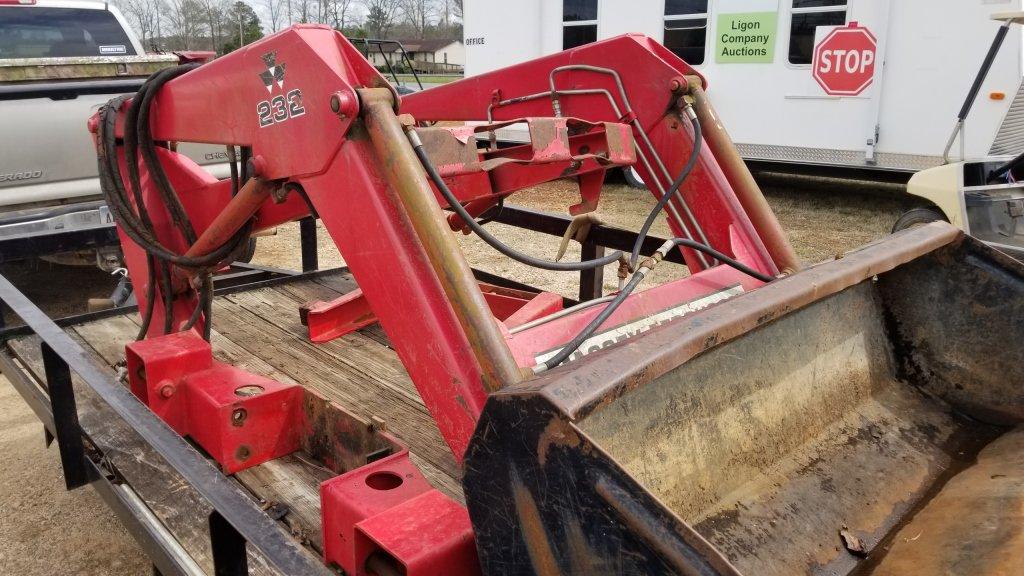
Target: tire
(247, 254)
(918, 217)
(633, 178)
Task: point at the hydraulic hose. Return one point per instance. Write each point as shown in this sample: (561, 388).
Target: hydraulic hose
(135, 221)
(637, 276)
(486, 236)
(724, 259)
(634, 281)
(691, 163)
(594, 324)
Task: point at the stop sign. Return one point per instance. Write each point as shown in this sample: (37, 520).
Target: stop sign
(844, 60)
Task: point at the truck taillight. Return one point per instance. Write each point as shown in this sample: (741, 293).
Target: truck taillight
(25, 2)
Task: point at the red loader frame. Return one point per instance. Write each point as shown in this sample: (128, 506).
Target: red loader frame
(328, 136)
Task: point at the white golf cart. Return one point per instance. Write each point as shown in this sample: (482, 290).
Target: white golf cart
(984, 198)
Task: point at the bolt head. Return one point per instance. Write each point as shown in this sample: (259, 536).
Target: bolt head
(167, 390)
(238, 416)
(344, 104)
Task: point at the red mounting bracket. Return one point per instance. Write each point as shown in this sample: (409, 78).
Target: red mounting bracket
(387, 512)
(350, 312)
(239, 418)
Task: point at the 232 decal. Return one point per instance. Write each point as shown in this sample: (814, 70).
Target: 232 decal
(280, 108)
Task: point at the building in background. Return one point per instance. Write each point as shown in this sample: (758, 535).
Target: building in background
(892, 107)
(435, 56)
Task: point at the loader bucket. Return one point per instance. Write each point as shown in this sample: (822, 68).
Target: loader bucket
(855, 417)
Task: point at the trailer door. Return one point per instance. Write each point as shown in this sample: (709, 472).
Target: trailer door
(835, 54)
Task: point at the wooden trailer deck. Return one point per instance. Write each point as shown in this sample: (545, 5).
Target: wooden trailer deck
(259, 330)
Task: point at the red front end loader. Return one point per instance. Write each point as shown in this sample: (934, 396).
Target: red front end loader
(749, 416)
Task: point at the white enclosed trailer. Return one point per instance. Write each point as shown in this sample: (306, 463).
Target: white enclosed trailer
(767, 83)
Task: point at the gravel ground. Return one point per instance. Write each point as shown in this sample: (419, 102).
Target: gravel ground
(46, 530)
(820, 225)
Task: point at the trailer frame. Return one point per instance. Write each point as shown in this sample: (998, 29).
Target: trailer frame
(237, 520)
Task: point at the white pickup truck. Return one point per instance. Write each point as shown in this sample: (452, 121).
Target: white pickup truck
(60, 60)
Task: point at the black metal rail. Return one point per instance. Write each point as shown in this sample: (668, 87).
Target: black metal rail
(62, 356)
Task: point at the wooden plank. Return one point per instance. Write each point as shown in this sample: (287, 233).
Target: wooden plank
(356, 352)
(350, 384)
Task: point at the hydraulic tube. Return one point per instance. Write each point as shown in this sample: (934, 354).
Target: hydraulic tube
(405, 175)
(742, 181)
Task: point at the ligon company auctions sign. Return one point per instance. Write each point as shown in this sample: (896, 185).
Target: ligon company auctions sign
(746, 38)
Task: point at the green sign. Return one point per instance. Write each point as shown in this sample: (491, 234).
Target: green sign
(746, 38)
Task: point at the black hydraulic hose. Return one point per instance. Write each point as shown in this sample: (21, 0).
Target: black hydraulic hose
(731, 262)
(486, 236)
(594, 324)
(137, 224)
(670, 193)
(638, 276)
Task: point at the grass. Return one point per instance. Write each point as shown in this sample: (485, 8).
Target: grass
(429, 78)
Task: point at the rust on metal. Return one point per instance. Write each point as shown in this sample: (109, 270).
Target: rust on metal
(621, 501)
(742, 181)
(974, 525)
(235, 214)
(453, 148)
(578, 230)
(83, 67)
(537, 546)
(404, 174)
(660, 351)
(339, 439)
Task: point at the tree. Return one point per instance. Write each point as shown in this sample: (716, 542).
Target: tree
(144, 17)
(304, 11)
(419, 14)
(184, 23)
(274, 11)
(380, 17)
(242, 13)
(338, 13)
(214, 20)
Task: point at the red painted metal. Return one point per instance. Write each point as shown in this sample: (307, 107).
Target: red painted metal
(558, 148)
(640, 312)
(293, 98)
(239, 418)
(239, 210)
(327, 321)
(344, 179)
(653, 79)
(388, 506)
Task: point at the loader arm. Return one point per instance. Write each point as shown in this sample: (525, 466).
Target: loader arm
(324, 135)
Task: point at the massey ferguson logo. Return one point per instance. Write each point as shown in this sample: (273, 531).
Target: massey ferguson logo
(280, 108)
(274, 74)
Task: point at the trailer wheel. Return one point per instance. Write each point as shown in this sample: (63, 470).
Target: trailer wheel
(633, 178)
(917, 217)
(248, 253)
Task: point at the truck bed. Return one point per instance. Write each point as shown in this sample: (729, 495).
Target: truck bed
(259, 330)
